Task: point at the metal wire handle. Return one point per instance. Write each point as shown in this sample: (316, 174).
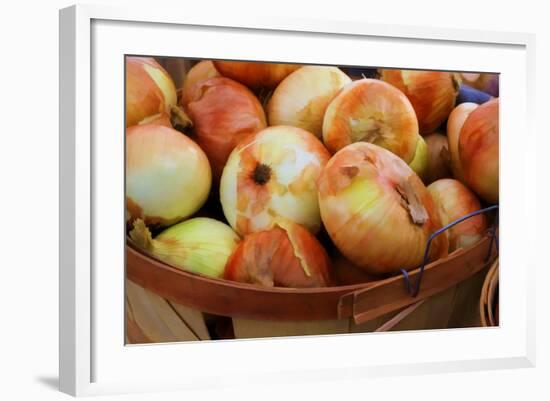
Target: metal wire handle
(494, 240)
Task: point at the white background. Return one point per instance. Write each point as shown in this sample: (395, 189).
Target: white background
(29, 200)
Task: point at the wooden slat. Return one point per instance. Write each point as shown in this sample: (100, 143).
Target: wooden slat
(193, 318)
(245, 328)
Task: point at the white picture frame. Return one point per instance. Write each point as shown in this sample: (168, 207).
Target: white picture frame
(93, 358)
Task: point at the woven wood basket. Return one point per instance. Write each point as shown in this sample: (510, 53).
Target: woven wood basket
(488, 300)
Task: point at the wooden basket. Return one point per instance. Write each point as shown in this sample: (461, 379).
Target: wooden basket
(488, 300)
(166, 304)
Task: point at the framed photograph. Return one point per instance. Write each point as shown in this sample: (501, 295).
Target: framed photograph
(306, 185)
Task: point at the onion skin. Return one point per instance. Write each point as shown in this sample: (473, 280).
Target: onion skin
(485, 82)
(149, 90)
(377, 211)
(223, 112)
(255, 75)
(454, 200)
(439, 159)
(419, 163)
(199, 245)
(272, 175)
(284, 256)
(432, 94)
(199, 72)
(168, 177)
(454, 126)
(301, 99)
(370, 110)
(478, 147)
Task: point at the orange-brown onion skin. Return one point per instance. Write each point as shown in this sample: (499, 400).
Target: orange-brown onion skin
(478, 148)
(370, 110)
(144, 97)
(432, 94)
(274, 258)
(168, 177)
(255, 75)
(366, 216)
(454, 126)
(454, 200)
(223, 112)
(199, 72)
(439, 162)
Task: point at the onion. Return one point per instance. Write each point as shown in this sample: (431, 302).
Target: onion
(370, 110)
(168, 177)
(377, 211)
(199, 245)
(287, 255)
(272, 175)
(253, 74)
(199, 72)
(432, 94)
(302, 97)
(149, 91)
(453, 201)
(419, 163)
(479, 151)
(223, 113)
(486, 82)
(439, 160)
(454, 125)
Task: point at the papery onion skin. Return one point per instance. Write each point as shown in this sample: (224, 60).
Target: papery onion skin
(149, 90)
(432, 94)
(270, 175)
(199, 72)
(370, 110)
(255, 75)
(419, 163)
(199, 245)
(301, 99)
(454, 200)
(168, 176)
(486, 82)
(377, 211)
(478, 147)
(439, 159)
(287, 255)
(454, 126)
(223, 112)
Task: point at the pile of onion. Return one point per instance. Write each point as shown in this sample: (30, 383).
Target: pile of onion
(168, 177)
(369, 110)
(453, 201)
(439, 159)
(255, 75)
(377, 211)
(199, 72)
(479, 150)
(223, 113)
(199, 245)
(286, 255)
(302, 97)
(272, 175)
(454, 126)
(432, 94)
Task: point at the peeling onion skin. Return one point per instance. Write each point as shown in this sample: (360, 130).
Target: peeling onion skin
(453, 201)
(370, 110)
(301, 99)
(199, 72)
(478, 147)
(439, 158)
(454, 126)
(149, 90)
(224, 112)
(432, 94)
(255, 75)
(377, 211)
(272, 175)
(276, 258)
(168, 176)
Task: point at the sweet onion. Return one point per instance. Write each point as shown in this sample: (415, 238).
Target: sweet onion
(454, 126)
(439, 160)
(419, 163)
(254, 74)
(199, 72)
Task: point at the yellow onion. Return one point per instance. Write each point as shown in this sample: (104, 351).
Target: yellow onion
(454, 126)
(419, 163)
(223, 112)
(199, 245)
(485, 82)
(255, 74)
(377, 211)
(199, 72)
(432, 94)
(479, 151)
(168, 177)
(286, 255)
(272, 175)
(369, 110)
(149, 91)
(302, 97)
(439, 163)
